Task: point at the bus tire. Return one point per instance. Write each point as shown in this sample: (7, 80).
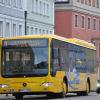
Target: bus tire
(79, 93)
(18, 96)
(51, 96)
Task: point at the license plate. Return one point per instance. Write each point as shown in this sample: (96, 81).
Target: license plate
(24, 90)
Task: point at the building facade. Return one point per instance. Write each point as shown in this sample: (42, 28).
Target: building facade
(79, 19)
(40, 16)
(11, 18)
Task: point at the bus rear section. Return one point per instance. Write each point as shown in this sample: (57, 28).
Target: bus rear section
(77, 59)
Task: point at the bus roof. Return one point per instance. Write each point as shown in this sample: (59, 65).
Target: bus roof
(69, 40)
(82, 43)
(76, 41)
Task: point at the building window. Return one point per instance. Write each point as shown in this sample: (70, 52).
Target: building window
(36, 5)
(43, 31)
(8, 2)
(33, 8)
(14, 3)
(89, 2)
(47, 10)
(19, 3)
(97, 3)
(78, 0)
(99, 25)
(50, 32)
(32, 30)
(14, 30)
(7, 32)
(1, 1)
(47, 32)
(39, 31)
(99, 49)
(82, 1)
(76, 21)
(94, 24)
(20, 30)
(27, 29)
(36, 31)
(44, 8)
(40, 7)
(89, 23)
(93, 3)
(83, 22)
(86, 2)
(1, 28)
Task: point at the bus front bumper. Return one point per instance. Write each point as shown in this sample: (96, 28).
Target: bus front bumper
(35, 88)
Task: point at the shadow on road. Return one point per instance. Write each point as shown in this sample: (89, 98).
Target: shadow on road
(43, 97)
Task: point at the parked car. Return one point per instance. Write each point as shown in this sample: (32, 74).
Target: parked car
(98, 87)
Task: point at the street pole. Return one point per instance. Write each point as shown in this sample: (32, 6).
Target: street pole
(25, 14)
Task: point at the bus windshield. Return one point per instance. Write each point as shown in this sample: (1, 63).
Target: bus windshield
(24, 58)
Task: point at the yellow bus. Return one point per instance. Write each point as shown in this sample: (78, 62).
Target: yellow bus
(47, 64)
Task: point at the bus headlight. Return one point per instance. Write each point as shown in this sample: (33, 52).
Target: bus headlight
(4, 86)
(47, 84)
(98, 85)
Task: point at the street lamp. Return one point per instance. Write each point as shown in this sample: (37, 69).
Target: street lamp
(25, 15)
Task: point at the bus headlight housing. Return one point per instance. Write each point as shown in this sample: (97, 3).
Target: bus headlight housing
(98, 85)
(47, 84)
(4, 86)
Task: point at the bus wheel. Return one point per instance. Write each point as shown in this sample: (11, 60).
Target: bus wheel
(50, 95)
(79, 93)
(64, 90)
(18, 96)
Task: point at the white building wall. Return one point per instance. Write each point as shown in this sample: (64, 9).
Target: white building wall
(40, 16)
(11, 12)
(40, 20)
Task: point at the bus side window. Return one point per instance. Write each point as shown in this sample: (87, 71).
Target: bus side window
(64, 59)
(55, 59)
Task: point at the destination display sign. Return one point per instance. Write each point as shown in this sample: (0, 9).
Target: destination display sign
(25, 42)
